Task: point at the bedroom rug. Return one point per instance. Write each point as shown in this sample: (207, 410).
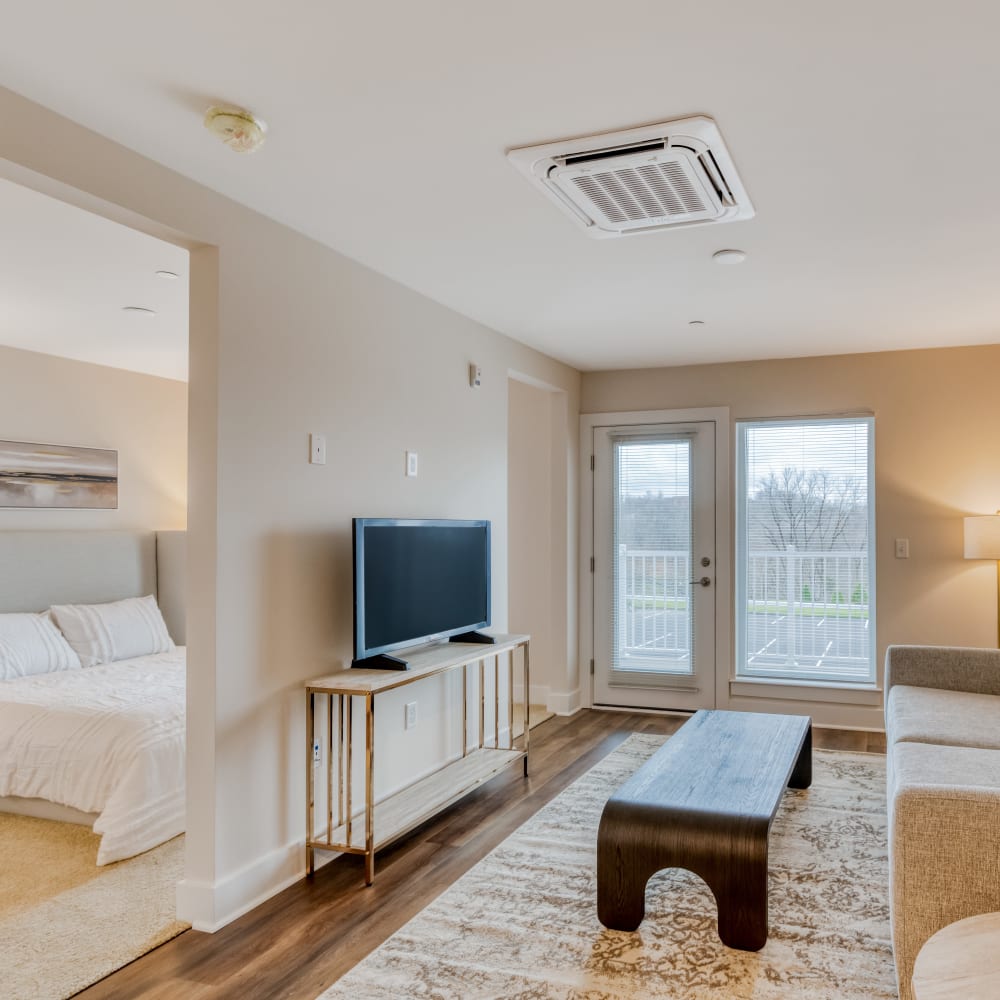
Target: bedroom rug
(64, 922)
(522, 923)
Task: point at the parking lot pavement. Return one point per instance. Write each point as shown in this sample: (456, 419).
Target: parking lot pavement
(818, 641)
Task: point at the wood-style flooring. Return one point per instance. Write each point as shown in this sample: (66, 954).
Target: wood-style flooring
(300, 941)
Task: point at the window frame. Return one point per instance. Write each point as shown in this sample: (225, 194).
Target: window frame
(804, 678)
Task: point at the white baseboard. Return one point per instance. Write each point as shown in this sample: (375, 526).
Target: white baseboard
(563, 702)
(558, 702)
(539, 694)
(210, 906)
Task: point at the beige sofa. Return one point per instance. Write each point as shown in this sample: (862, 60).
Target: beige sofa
(942, 714)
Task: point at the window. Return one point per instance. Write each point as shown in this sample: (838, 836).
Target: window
(805, 553)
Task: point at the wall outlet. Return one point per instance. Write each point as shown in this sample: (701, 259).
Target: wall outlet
(475, 376)
(317, 754)
(411, 715)
(317, 449)
(902, 548)
(411, 463)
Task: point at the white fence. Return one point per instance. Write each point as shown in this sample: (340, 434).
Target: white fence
(800, 606)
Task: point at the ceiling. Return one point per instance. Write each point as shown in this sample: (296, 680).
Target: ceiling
(67, 275)
(863, 132)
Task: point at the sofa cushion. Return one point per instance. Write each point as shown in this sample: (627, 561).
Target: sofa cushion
(953, 718)
(946, 771)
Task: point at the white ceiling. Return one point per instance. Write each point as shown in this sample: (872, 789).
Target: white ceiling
(66, 276)
(866, 134)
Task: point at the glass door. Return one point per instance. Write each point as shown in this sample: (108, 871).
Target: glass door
(654, 566)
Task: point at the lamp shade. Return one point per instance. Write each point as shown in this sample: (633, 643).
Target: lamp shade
(982, 537)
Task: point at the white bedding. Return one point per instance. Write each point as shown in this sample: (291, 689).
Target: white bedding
(106, 739)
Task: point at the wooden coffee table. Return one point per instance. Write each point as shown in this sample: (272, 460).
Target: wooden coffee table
(704, 801)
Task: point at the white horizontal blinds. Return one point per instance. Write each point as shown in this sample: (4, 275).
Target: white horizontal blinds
(804, 601)
(652, 554)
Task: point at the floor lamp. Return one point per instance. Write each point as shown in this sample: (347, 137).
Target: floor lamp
(982, 541)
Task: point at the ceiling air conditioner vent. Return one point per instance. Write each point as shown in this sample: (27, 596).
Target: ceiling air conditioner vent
(645, 179)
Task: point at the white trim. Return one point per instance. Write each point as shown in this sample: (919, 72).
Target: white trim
(538, 694)
(564, 702)
(813, 691)
(720, 415)
(816, 689)
(794, 418)
(559, 702)
(209, 907)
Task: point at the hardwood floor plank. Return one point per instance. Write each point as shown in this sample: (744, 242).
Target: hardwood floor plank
(297, 943)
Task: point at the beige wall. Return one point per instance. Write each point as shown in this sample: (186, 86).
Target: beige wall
(937, 423)
(538, 545)
(53, 400)
(529, 527)
(293, 338)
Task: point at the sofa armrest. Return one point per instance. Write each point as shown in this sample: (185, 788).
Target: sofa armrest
(943, 865)
(951, 668)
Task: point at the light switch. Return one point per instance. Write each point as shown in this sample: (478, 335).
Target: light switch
(411, 463)
(902, 548)
(317, 449)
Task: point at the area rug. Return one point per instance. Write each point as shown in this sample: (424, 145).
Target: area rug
(64, 922)
(522, 924)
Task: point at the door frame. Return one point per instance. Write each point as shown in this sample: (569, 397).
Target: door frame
(720, 416)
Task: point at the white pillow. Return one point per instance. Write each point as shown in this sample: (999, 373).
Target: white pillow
(31, 644)
(103, 633)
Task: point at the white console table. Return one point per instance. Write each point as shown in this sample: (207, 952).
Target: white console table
(363, 830)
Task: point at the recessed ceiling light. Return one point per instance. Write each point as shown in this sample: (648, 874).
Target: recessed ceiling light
(169, 275)
(696, 322)
(729, 256)
(139, 310)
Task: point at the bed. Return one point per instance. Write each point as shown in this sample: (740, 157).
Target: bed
(102, 745)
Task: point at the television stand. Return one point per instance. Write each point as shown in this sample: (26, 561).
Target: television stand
(330, 801)
(478, 637)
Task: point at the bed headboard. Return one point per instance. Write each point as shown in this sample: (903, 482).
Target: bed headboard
(42, 568)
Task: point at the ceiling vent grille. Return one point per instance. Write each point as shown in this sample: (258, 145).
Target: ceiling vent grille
(642, 180)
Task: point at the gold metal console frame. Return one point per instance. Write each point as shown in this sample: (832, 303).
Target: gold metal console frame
(406, 809)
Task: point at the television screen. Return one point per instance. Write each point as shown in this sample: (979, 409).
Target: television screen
(417, 580)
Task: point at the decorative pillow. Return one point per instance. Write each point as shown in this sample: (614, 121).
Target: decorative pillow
(103, 633)
(31, 644)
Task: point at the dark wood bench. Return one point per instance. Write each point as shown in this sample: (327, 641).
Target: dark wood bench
(704, 801)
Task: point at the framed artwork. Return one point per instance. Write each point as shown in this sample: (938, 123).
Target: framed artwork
(52, 475)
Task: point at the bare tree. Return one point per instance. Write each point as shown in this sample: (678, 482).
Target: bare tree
(809, 510)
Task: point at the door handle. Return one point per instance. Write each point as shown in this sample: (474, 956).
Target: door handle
(705, 581)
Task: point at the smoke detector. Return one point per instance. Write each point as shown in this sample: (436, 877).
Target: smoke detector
(640, 180)
(238, 129)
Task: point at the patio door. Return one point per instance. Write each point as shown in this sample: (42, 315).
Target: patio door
(654, 566)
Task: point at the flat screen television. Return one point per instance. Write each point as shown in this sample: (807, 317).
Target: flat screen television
(416, 581)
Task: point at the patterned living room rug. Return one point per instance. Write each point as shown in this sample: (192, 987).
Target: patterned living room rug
(522, 924)
(64, 922)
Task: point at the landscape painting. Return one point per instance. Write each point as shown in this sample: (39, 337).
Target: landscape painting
(49, 475)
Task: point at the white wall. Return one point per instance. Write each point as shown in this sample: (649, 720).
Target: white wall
(50, 400)
(293, 338)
